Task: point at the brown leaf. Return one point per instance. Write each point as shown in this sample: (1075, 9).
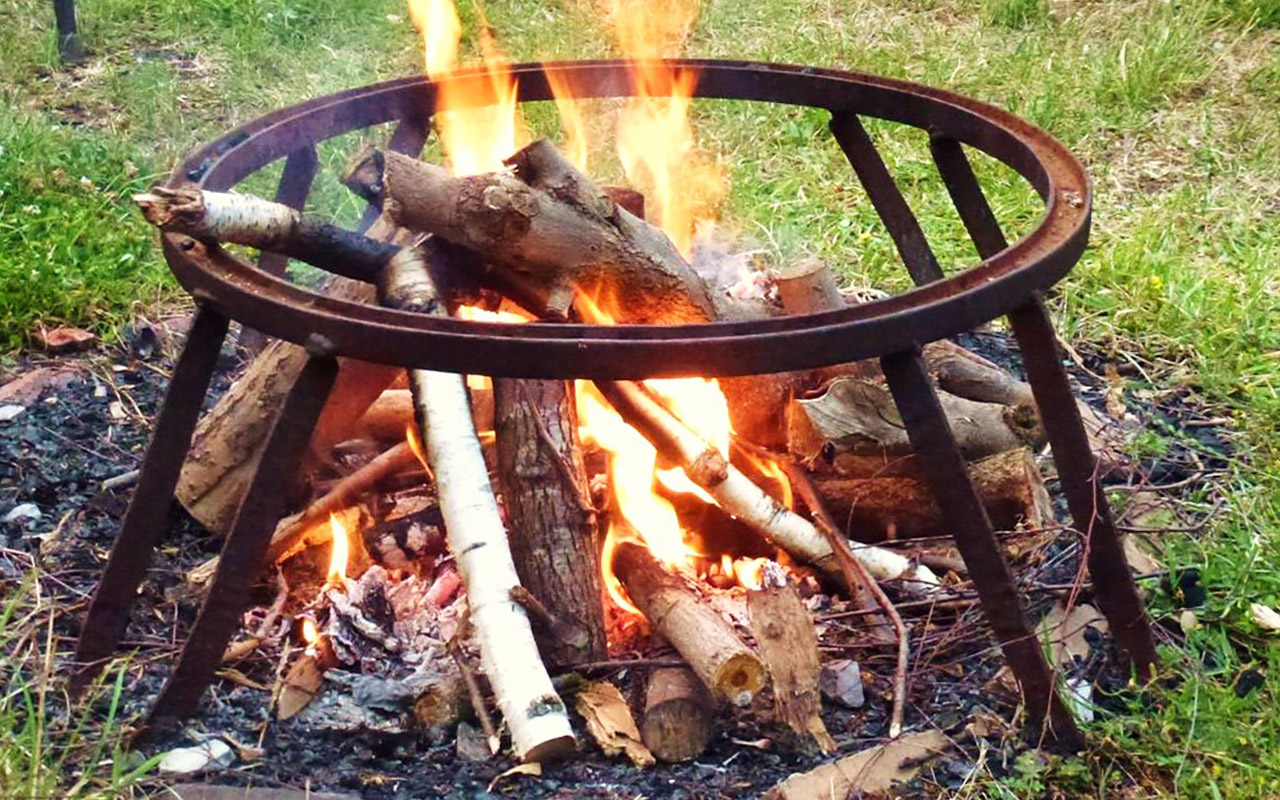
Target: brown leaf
(610, 722)
(530, 768)
(64, 339)
(299, 687)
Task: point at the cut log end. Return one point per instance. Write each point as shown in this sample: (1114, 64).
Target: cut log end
(677, 721)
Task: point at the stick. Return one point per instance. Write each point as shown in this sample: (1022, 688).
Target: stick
(726, 666)
(738, 496)
(855, 574)
(676, 724)
(477, 540)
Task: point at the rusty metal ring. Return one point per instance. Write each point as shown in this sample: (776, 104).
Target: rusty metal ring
(934, 311)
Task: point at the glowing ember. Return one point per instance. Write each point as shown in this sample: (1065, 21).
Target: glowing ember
(310, 633)
(340, 553)
(748, 571)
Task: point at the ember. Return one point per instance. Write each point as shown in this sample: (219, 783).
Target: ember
(651, 478)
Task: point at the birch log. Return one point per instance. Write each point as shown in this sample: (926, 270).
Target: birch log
(534, 713)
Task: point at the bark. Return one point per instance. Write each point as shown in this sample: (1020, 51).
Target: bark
(784, 632)
(870, 509)
(708, 644)
(741, 498)
(533, 711)
(676, 724)
(554, 537)
(549, 223)
(388, 417)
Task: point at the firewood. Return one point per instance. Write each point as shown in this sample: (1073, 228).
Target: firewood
(567, 237)
(784, 632)
(228, 440)
(477, 539)
(610, 723)
(554, 537)
(860, 417)
(677, 723)
(1009, 485)
(738, 496)
(388, 417)
(727, 667)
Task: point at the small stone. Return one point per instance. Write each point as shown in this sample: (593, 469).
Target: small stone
(65, 339)
(202, 791)
(8, 413)
(471, 744)
(188, 760)
(22, 514)
(841, 683)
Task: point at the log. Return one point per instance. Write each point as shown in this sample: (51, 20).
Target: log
(387, 418)
(727, 667)
(566, 237)
(676, 724)
(784, 632)
(860, 417)
(477, 539)
(554, 537)
(902, 506)
(738, 496)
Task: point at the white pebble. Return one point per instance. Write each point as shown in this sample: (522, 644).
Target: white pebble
(23, 512)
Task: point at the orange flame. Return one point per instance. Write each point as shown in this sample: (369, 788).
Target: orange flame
(575, 129)
(655, 139)
(340, 553)
(772, 471)
(477, 118)
(750, 572)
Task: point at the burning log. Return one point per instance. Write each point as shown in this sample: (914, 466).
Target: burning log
(567, 236)
(554, 537)
(533, 711)
(676, 725)
(726, 666)
(785, 635)
(737, 495)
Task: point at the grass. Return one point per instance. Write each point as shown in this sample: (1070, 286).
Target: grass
(47, 747)
(1170, 103)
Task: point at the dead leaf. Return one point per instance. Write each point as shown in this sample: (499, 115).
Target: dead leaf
(299, 687)
(1137, 554)
(1114, 400)
(237, 677)
(1265, 617)
(531, 768)
(610, 722)
(866, 773)
(64, 340)
(1065, 631)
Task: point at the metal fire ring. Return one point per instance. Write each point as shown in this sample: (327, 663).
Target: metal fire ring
(1001, 283)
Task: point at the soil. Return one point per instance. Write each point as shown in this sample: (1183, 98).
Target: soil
(94, 424)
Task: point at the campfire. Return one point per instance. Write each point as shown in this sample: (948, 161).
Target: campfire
(458, 539)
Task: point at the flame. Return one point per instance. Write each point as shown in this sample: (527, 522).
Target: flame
(309, 631)
(655, 139)
(575, 129)
(340, 553)
(477, 119)
(749, 572)
(771, 470)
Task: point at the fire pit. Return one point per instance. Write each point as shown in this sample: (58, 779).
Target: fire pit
(1008, 282)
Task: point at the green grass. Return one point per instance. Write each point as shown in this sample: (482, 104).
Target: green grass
(48, 748)
(1171, 104)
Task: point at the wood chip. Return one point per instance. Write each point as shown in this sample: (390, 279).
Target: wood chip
(64, 340)
(610, 722)
(866, 773)
(529, 768)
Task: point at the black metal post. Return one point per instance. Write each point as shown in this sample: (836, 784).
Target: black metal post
(70, 48)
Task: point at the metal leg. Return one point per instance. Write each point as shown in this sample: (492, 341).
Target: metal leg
(1113, 585)
(241, 557)
(948, 477)
(967, 196)
(149, 510)
(886, 198)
